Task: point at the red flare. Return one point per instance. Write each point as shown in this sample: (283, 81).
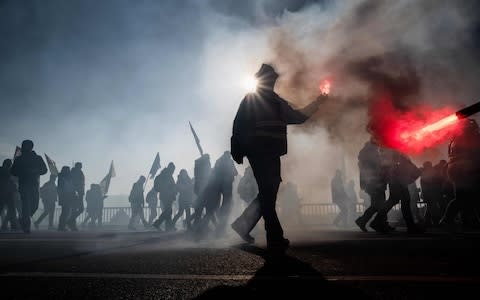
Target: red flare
(325, 86)
(414, 130)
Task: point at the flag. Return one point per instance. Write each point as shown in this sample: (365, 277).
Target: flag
(105, 183)
(18, 152)
(51, 165)
(197, 140)
(155, 166)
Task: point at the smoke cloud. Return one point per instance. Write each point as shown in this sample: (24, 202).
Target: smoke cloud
(416, 52)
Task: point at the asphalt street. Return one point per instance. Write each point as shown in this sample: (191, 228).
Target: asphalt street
(322, 263)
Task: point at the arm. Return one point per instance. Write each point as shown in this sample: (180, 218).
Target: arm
(292, 116)
(42, 167)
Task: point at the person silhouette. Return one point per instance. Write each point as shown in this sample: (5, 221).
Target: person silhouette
(260, 134)
(28, 167)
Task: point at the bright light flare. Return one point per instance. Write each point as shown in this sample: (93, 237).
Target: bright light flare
(412, 131)
(325, 86)
(250, 84)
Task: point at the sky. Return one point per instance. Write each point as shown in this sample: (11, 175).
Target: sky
(96, 81)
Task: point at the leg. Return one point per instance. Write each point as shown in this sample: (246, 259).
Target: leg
(405, 206)
(64, 216)
(225, 208)
(377, 200)
(51, 212)
(42, 216)
(267, 173)
(179, 214)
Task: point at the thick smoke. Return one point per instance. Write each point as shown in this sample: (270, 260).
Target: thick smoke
(417, 52)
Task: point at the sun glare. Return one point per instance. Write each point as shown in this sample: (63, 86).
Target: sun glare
(250, 84)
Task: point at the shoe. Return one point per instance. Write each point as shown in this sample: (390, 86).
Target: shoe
(380, 228)
(245, 236)
(278, 246)
(361, 224)
(415, 230)
(72, 227)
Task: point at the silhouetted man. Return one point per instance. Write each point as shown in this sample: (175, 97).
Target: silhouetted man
(28, 167)
(464, 172)
(340, 198)
(66, 197)
(225, 173)
(185, 196)
(201, 172)
(78, 181)
(152, 201)
(260, 134)
(94, 198)
(8, 191)
(373, 181)
(431, 185)
(48, 193)
(165, 185)
(136, 200)
(352, 201)
(401, 172)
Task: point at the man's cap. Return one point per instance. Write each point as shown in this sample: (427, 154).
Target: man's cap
(27, 145)
(266, 71)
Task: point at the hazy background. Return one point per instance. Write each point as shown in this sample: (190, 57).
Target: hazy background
(95, 81)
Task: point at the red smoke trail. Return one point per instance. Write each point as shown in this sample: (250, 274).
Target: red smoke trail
(414, 130)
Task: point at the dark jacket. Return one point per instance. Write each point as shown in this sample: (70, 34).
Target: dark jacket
(185, 190)
(78, 180)
(260, 126)
(165, 185)
(66, 190)
(136, 194)
(28, 167)
(372, 172)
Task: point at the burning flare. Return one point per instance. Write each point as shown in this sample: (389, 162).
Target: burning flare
(414, 130)
(325, 86)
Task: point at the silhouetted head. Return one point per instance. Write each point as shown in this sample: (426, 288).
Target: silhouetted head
(78, 165)
(183, 174)
(7, 163)
(442, 162)
(206, 156)
(471, 126)
(142, 179)
(427, 165)
(266, 76)
(92, 186)
(27, 146)
(65, 171)
(171, 167)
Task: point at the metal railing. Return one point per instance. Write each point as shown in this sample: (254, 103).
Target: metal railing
(308, 212)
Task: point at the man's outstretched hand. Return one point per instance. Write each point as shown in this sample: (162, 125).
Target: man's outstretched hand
(322, 98)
